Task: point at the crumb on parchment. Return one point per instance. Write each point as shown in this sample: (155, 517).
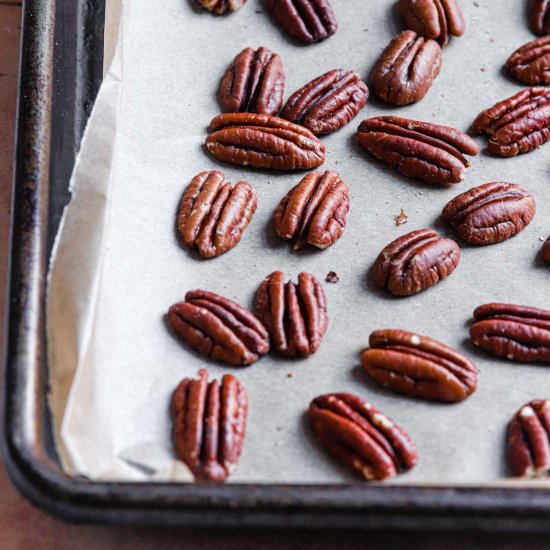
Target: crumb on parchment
(401, 218)
(332, 277)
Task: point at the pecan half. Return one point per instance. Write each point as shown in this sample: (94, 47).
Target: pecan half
(359, 436)
(539, 16)
(415, 262)
(307, 20)
(222, 6)
(531, 63)
(435, 19)
(518, 124)
(264, 141)
(418, 366)
(327, 103)
(519, 333)
(253, 83)
(406, 69)
(209, 424)
(212, 216)
(218, 328)
(430, 152)
(314, 211)
(545, 253)
(491, 213)
(528, 443)
(295, 314)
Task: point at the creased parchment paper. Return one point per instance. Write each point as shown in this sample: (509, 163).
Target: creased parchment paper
(118, 266)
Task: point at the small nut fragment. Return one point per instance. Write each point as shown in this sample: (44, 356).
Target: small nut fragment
(295, 315)
(401, 218)
(209, 424)
(539, 16)
(531, 63)
(359, 436)
(418, 366)
(332, 277)
(222, 6)
(314, 211)
(545, 253)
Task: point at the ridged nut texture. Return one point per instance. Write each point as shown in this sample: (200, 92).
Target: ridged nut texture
(218, 328)
(212, 215)
(253, 83)
(530, 64)
(221, 7)
(539, 16)
(264, 141)
(295, 314)
(209, 425)
(360, 437)
(545, 252)
(490, 213)
(313, 212)
(430, 152)
(418, 366)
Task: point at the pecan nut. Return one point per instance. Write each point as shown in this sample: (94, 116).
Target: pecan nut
(528, 445)
(314, 211)
(212, 216)
(430, 152)
(222, 6)
(327, 103)
(414, 262)
(359, 436)
(307, 20)
(209, 424)
(490, 213)
(545, 252)
(295, 314)
(539, 16)
(436, 19)
(218, 328)
(253, 83)
(519, 333)
(418, 366)
(518, 124)
(406, 69)
(531, 63)
(264, 141)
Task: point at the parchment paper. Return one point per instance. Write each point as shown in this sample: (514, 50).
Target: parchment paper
(118, 265)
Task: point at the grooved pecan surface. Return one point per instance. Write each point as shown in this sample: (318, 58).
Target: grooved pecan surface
(212, 216)
(491, 213)
(539, 16)
(359, 436)
(546, 250)
(435, 19)
(418, 366)
(518, 124)
(519, 333)
(219, 328)
(328, 102)
(264, 141)
(307, 20)
(528, 443)
(415, 262)
(422, 150)
(406, 69)
(209, 423)
(253, 83)
(294, 314)
(531, 63)
(314, 211)
(222, 6)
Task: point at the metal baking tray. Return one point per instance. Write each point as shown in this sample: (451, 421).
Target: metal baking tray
(61, 72)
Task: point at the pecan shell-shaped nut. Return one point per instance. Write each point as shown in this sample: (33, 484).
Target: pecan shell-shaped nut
(530, 64)
(218, 328)
(415, 262)
(307, 20)
(490, 213)
(222, 6)
(359, 436)
(313, 212)
(295, 314)
(209, 424)
(406, 69)
(528, 445)
(212, 216)
(418, 366)
(539, 16)
(545, 252)
(519, 333)
(518, 124)
(327, 103)
(435, 19)
(430, 152)
(253, 83)
(264, 141)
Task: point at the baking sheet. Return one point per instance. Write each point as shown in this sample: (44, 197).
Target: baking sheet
(118, 264)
